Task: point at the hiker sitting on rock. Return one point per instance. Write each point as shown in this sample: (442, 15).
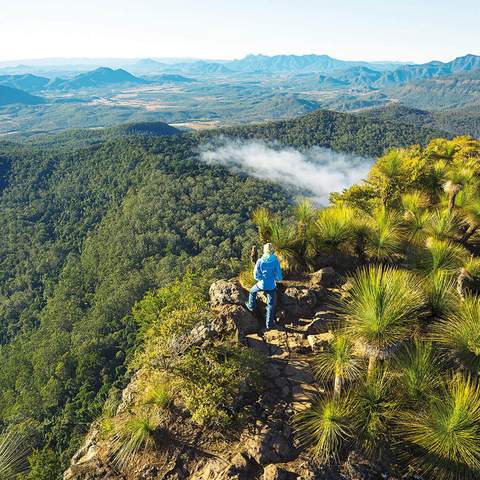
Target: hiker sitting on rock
(267, 271)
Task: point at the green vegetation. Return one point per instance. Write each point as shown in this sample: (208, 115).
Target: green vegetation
(90, 224)
(92, 221)
(403, 364)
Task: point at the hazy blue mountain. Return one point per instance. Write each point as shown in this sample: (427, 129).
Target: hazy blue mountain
(451, 91)
(208, 67)
(27, 82)
(360, 76)
(407, 73)
(9, 96)
(299, 63)
(100, 77)
(170, 78)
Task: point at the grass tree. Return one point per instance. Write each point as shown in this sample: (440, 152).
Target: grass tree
(384, 238)
(442, 437)
(327, 426)
(381, 310)
(287, 245)
(459, 333)
(338, 362)
(263, 218)
(440, 294)
(304, 215)
(454, 181)
(416, 216)
(13, 455)
(129, 437)
(376, 408)
(471, 212)
(418, 372)
(440, 256)
(334, 229)
(443, 224)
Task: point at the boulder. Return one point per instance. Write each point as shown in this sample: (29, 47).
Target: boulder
(257, 343)
(320, 342)
(325, 277)
(357, 467)
(273, 444)
(273, 472)
(227, 292)
(322, 322)
(238, 318)
(299, 301)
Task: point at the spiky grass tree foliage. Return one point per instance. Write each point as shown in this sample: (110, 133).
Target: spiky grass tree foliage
(13, 455)
(381, 309)
(440, 294)
(338, 363)
(327, 426)
(384, 238)
(471, 214)
(442, 439)
(376, 408)
(418, 372)
(443, 224)
(130, 436)
(334, 230)
(416, 216)
(305, 215)
(460, 333)
(262, 218)
(440, 256)
(286, 244)
(454, 181)
(158, 393)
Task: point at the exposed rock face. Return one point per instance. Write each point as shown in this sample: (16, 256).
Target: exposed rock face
(85, 464)
(320, 342)
(237, 318)
(325, 277)
(299, 301)
(273, 472)
(266, 448)
(224, 292)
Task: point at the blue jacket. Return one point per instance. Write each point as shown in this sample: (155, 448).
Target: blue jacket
(267, 271)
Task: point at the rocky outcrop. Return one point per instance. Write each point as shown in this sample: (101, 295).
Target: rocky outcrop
(237, 318)
(265, 448)
(225, 292)
(299, 301)
(325, 277)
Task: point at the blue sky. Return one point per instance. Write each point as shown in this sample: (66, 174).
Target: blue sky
(348, 29)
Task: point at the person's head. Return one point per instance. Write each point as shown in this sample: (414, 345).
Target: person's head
(268, 249)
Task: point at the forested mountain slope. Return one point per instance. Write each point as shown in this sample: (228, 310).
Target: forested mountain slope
(90, 222)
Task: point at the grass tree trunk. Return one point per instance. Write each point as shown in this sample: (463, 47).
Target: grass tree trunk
(470, 231)
(372, 362)
(337, 385)
(462, 276)
(451, 201)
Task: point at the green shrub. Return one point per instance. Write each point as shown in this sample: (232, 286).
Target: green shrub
(209, 381)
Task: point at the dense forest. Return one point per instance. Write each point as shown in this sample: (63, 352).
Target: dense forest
(90, 222)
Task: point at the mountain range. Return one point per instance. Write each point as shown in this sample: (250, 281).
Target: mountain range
(9, 95)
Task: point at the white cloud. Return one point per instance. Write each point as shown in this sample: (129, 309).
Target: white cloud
(317, 171)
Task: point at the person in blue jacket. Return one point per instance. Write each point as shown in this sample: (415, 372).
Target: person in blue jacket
(267, 271)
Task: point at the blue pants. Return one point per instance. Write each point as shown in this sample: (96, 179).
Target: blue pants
(252, 302)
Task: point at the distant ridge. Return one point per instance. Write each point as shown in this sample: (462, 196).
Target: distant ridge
(407, 73)
(9, 96)
(100, 77)
(27, 82)
(146, 128)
